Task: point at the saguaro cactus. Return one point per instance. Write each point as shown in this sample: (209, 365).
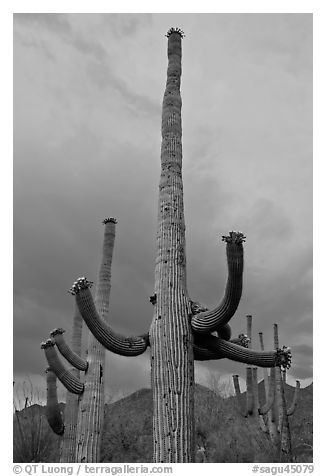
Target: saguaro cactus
(73, 356)
(181, 330)
(84, 444)
(273, 414)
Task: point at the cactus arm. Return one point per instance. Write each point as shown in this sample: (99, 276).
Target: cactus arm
(242, 407)
(116, 343)
(66, 378)
(225, 332)
(209, 321)
(271, 395)
(225, 349)
(52, 410)
(201, 353)
(294, 403)
(74, 359)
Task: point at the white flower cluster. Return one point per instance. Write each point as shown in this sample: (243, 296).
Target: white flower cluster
(245, 340)
(284, 357)
(47, 343)
(80, 283)
(57, 331)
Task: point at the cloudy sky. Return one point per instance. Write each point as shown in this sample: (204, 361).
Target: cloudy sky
(87, 102)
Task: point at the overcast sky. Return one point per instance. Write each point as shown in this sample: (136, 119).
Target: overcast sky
(88, 90)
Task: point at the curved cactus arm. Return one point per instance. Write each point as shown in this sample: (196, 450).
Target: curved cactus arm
(66, 378)
(209, 321)
(242, 340)
(52, 410)
(225, 332)
(294, 403)
(74, 359)
(242, 408)
(116, 343)
(271, 394)
(222, 348)
(202, 353)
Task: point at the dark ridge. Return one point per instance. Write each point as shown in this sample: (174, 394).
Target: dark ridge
(226, 436)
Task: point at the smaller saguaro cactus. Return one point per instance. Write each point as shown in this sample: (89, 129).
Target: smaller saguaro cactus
(272, 415)
(72, 355)
(86, 413)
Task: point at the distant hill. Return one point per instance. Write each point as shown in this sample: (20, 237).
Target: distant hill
(220, 429)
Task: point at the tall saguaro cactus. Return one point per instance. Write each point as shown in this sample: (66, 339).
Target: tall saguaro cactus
(181, 331)
(172, 359)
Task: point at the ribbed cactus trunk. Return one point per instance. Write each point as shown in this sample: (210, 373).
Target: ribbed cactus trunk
(68, 446)
(172, 362)
(283, 420)
(270, 417)
(91, 407)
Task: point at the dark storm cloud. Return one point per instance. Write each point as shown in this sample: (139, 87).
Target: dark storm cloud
(56, 22)
(126, 24)
(99, 65)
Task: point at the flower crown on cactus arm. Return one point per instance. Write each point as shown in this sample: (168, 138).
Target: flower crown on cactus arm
(234, 237)
(79, 284)
(284, 357)
(109, 220)
(244, 340)
(175, 30)
(47, 343)
(57, 331)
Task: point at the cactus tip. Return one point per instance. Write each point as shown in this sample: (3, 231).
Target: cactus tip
(175, 30)
(47, 343)
(109, 220)
(57, 331)
(234, 237)
(79, 284)
(284, 357)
